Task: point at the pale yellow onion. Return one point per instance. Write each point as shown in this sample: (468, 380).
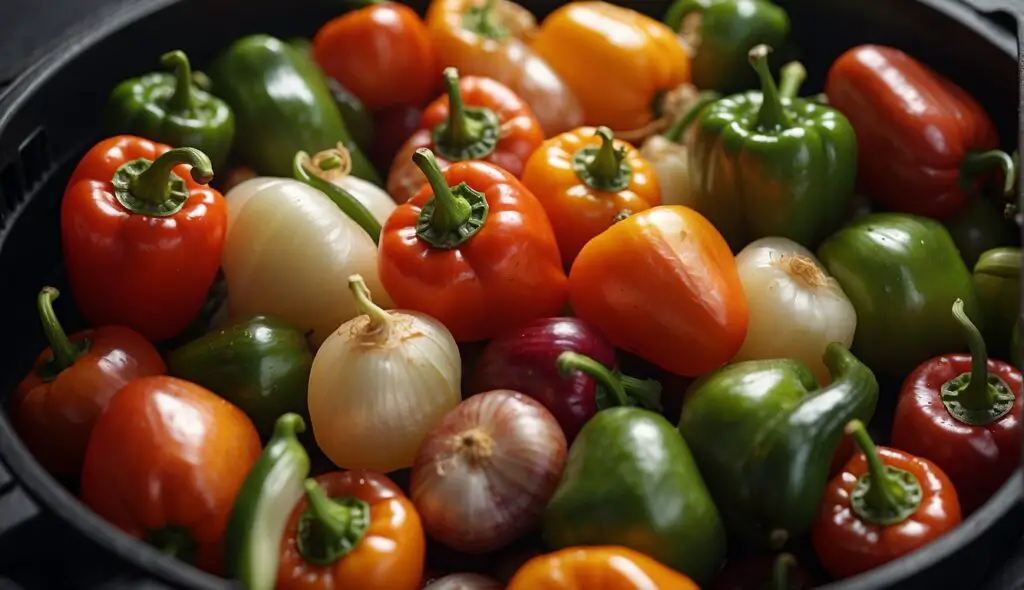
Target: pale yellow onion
(796, 309)
(289, 252)
(672, 169)
(335, 166)
(379, 384)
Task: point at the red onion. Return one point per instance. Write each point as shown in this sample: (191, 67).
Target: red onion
(484, 475)
(464, 582)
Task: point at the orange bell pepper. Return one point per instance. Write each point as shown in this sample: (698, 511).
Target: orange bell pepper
(490, 38)
(608, 568)
(478, 119)
(584, 179)
(355, 529)
(622, 65)
(663, 285)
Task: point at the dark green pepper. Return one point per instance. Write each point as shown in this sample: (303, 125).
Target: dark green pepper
(764, 164)
(282, 105)
(260, 364)
(981, 226)
(630, 480)
(170, 109)
(997, 283)
(901, 273)
(719, 33)
(764, 434)
(1015, 346)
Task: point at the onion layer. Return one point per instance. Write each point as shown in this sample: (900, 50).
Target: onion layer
(464, 582)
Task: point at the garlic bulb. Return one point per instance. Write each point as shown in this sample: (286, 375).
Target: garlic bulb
(796, 309)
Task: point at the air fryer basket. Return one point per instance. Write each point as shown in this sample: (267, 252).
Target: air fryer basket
(48, 118)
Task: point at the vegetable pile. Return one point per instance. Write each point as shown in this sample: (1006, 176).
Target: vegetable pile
(472, 301)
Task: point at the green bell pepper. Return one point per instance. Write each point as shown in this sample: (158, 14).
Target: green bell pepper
(282, 105)
(170, 109)
(981, 226)
(720, 32)
(901, 273)
(764, 434)
(764, 164)
(997, 283)
(630, 480)
(260, 364)
(1015, 346)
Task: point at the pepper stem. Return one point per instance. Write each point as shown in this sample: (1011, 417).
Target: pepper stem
(603, 168)
(482, 20)
(884, 495)
(449, 211)
(458, 131)
(470, 133)
(65, 352)
(771, 114)
(975, 398)
(676, 131)
(977, 162)
(329, 529)
(318, 173)
(181, 100)
(379, 318)
(646, 392)
(793, 76)
(155, 184)
(780, 571)
(454, 214)
(569, 362)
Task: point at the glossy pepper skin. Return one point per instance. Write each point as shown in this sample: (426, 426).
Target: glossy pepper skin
(261, 364)
(158, 480)
(922, 139)
(354, 529)
(172, 110)
(455, 251)
(57, 403)
(282, 105)
(382, 53)
(142, 238)
(662, 284)
(585, 42)
(718, 33)
(488, 122)
(901, 272)
(585, 179)
(962, 412)
(608, 567)
(763, 163)
(979, 227)
(997, 283)
(763, 434)
(886, 503)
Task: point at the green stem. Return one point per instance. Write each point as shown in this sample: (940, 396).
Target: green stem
(604, 166)
(976, 398)
(470, 133)
(771, 114)
(173, 541)
(977, 394)
(481, 19)
(348, 204)
(793, 76)
(330, 163)
(450, 211)
(881, 493)
(884, 495)
(459, 131)
(676, 131)
(977, 162)
(65, 352)
(780, 571)
(329, 529)
(647, 392)
(379, 318)
(181, 100)
(154, 184)
(569, 362)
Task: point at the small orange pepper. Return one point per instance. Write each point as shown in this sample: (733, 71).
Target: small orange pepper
(608, 568)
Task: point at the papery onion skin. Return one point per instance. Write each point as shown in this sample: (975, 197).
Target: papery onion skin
(464, 581)
(795, 308)
(671, 166)
(484, 475)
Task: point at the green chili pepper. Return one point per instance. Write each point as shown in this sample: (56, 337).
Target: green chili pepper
(997, 283)
(171, 109)
(765, 164)
(763, 434)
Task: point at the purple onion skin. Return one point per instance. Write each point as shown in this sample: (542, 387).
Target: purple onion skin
(523, 360)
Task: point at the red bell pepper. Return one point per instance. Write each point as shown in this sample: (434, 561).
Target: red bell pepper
(923, 142)
(962, 411)
(142, 239)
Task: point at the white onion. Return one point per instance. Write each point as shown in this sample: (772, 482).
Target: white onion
(670, 164)
(796, 309)
(380, 383)
(484, 475)
(376, 201)
(464, 582)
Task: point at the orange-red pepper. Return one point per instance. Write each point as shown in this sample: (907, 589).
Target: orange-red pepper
(584, 179)
(354, 529)
(478, 119)
(608, 568)
(472, 249)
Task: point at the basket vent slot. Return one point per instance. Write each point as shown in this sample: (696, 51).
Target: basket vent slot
(12, 188)
(35, 158)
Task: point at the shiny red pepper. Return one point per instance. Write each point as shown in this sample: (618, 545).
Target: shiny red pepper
(962, 412)
(923, 142)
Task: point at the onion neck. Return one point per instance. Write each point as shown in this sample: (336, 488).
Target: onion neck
(771, 115)
(976, 398)
(380, 321)
(330, 529)
(884, 495)
(683, 123)
(65, 352)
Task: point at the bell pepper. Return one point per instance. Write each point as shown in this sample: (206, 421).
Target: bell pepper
(980, 226)
(455, 251)
(165, 462)
(391, 129)
(764, 572)
(142, 239)
(354, 529)
(71, 382)
(886, 503)
(962, 412)
(490, 38)
(997, 283)
(901, 273)
(660, 282)
(622, 66)
(172, 110)
(768, 476)
(478, 119)
(261, 364)
(718, 33)
(584, 179)
(631, 480)
(282, 105)
(380, 51)
(767, 164)
(923, 142)
(608, 567)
